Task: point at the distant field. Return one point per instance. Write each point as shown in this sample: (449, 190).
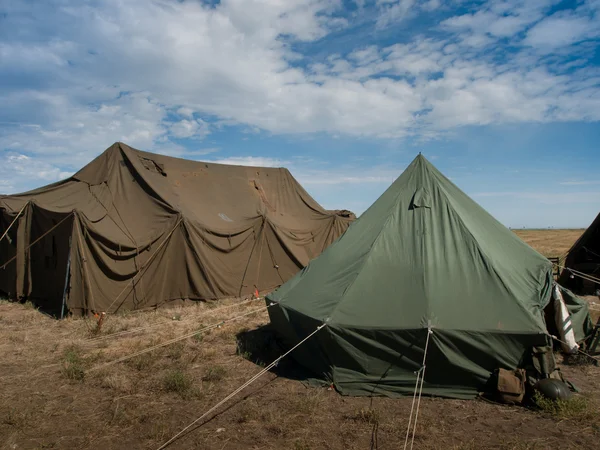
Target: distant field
(550, 242)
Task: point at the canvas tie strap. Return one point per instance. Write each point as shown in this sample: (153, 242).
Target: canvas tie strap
(242, 387)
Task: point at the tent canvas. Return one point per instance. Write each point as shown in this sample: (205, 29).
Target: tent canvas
(137, 230)
(584, 258)
(423, 256)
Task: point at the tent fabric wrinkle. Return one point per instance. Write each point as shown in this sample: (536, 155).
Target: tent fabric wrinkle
(423, 256)
(162, 229)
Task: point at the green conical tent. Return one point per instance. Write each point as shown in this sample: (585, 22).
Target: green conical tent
(423, 255)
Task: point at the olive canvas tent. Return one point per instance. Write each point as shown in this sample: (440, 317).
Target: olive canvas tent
(134, 229)
(423, 257)
(582, 265)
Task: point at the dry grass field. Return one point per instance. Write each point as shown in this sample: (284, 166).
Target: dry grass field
(57, 390)
(550, 242)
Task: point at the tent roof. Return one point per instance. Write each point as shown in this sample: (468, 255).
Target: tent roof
(424, 253)
(219, 197)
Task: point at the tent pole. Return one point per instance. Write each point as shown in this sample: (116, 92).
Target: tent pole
(67, 276)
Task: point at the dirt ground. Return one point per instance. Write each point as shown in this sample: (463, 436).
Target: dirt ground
(57, 392)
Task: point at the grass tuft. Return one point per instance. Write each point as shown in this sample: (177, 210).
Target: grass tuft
(141, 362)
(29, 305)
(576, 408)
(213, 374)
(117, 382)
(309, 403)
(178, 382)
(73, 364)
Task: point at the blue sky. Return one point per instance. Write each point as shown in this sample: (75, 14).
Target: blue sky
(502, 96)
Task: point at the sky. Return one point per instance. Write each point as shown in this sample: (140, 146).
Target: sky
(502, 96)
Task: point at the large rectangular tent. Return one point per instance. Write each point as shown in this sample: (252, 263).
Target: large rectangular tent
(134, 230)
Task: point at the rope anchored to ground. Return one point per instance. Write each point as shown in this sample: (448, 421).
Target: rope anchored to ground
(241, 388)
(180, 338)
(418, 387)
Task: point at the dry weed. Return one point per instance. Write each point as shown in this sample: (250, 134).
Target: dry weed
(249, 411)
(309, 403)
(117, 382)
(214, 374)
(366, 415)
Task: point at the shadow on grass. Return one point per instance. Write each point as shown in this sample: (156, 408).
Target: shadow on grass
(262, 346)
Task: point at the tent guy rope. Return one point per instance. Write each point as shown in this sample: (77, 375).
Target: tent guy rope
(578, 350)
(420, 378)
(37, 240)
(14, 220)
(242, 387)
(177, 339)
(585, 276)
(142, 270)
(135, 330)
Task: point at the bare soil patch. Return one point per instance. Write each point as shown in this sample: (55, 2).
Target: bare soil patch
(49, 397)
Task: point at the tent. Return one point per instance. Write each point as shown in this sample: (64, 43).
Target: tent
(583, 261)
(423, 257)
(134, 229)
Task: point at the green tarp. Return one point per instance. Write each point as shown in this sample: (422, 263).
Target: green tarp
(423, 255)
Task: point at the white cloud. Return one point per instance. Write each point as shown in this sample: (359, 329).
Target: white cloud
(253, 161)
(186, 112)
(16, 171)
(561, 30)
(76, 132)
(189, 128)
(394, 11)
(146, 72)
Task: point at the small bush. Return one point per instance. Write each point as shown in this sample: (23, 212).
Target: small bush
(178, 382)
(577, 408)
(214, 374)
(73, 364)
(198, 337)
